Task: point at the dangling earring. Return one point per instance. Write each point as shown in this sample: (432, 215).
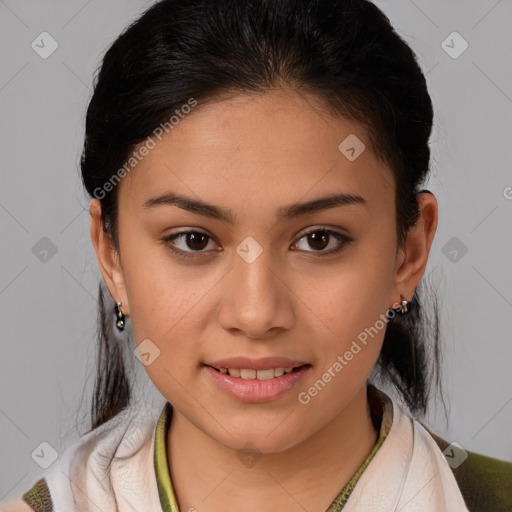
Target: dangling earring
(119, 316)
(403, 308)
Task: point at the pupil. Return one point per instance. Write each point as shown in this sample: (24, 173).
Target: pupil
(197, 238)
(315, 239)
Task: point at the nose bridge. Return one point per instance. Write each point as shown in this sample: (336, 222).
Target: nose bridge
(254, 270)
(256, 301)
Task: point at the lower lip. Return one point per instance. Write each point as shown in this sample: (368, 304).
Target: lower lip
(254, 390)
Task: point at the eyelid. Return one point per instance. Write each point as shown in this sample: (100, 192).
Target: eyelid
(319, 227)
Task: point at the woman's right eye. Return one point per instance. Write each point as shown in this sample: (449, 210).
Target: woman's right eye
(192, 241)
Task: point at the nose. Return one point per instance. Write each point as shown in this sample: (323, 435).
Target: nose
(256, 302)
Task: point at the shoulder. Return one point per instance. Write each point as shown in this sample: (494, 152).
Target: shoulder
(485, 482)
(111, 448)
(16, 506)
(37, 498)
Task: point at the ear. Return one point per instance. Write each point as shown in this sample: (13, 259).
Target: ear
(413, 257)
(108, 258)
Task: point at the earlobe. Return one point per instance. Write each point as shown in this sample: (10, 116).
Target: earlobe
(414, 255)
(108, 257)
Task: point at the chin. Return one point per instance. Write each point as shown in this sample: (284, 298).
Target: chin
(260, 440)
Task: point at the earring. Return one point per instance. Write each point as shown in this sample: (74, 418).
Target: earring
(403, 308)
(119, 316)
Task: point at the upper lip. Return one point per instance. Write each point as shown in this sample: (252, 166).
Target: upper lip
(255, 364)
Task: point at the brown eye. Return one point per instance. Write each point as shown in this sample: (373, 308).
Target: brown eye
(320, 239)
(196, 240)
(188, 244)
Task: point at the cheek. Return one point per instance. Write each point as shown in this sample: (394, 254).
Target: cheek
(355, 296)
(163, 298)
(354, 324)
(352, 304)
(164, 310)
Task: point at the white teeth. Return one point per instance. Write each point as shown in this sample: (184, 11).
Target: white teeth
(250, 374)
(265, 374)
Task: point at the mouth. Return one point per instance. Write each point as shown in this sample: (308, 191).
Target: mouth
(257, 381)
(253, 374)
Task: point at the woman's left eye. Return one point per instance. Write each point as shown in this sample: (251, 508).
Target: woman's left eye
(320, 239)
(196, 241)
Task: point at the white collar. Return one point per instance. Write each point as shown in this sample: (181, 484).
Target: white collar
(407, 474)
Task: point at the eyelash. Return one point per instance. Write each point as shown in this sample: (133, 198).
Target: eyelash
(194, 254)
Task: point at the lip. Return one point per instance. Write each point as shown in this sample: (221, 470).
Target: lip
(254, 390)
(263, 363)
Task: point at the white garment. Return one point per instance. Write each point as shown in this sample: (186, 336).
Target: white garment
(109, 469)
(407, 474)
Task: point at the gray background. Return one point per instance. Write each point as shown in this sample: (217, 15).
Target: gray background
(48, 301)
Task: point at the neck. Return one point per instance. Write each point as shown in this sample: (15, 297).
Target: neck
(207, 475)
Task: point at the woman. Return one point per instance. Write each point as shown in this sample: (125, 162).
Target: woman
(257, 212)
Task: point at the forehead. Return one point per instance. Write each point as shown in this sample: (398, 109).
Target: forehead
(268, 148)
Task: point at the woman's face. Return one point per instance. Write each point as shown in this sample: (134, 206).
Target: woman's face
(259, 286)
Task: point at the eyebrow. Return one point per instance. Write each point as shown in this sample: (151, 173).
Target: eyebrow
(287, 212)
